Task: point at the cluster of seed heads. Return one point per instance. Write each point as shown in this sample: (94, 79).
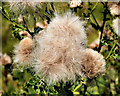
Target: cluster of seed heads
(59, 52)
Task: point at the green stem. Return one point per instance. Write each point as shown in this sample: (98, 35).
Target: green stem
(111, 49)
(94, 7)
(91, 11)
(77, 87)
(82, 82)
(103, 25)
(13, 22)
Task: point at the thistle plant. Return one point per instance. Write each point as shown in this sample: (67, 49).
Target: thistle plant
(55, 50)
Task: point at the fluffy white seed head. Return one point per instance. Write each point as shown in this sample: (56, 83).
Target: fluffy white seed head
(116, 26)
(5, 59)
(92, 64)
(53, 72)
(23, 52)
(68, 28)
(115, 9)
(58, 47)
(59, 51)
(24, 5)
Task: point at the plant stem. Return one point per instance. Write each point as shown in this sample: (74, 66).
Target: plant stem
(102, 27)
(81, 83)
(91, 11)
(13, 22)
(77, 87)
(111, 49)
(94, 7)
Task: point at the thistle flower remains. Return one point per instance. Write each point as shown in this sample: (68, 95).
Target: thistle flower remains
(115, 9)
(23, 52)
(116, 26)
(24, 5)
(59, 51)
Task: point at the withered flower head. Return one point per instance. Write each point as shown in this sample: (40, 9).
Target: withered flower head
(24, 5)
(115, 9)
(59, 51)
(58, 46)
(92, 64)
(116, 26)
(5, 59)
(23, 52)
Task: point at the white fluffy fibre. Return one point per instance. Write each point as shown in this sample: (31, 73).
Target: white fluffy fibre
(5, 59)
(58, 46)
(59, 51)
(24, 5)
(92, 63)
(116, 26)
(115, 9)
(23, 52)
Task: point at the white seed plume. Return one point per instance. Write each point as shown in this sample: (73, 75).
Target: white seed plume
(24, 5)
(59, 51)
(23, 52)
(116, 26)
(5, 59)
(92, 63)
(59, 46)
(115, 9)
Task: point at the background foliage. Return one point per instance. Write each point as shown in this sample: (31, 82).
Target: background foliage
(97, 17)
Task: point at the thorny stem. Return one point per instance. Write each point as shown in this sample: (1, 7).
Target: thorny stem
(33, 78)
(85, 88)
(102, 27)
(111, 49)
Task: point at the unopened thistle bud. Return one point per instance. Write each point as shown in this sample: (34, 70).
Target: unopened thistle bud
(41, 25)
(75, 3)
(25, 33)
(20, 19)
